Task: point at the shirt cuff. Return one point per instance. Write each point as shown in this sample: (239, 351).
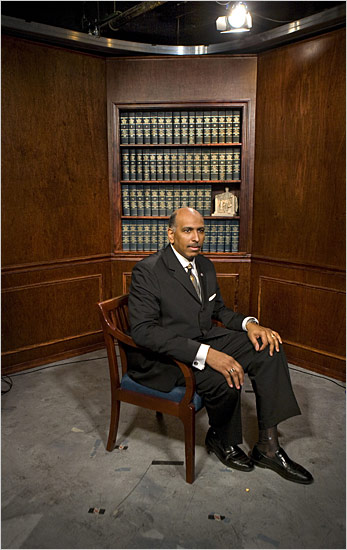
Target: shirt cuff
(245, 321)
(200, 358)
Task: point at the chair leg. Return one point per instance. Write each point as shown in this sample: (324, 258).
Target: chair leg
(112, 435)
(189, 441)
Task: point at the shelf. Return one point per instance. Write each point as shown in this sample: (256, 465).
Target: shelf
(226, 182)
(179, 144)
(167, 217)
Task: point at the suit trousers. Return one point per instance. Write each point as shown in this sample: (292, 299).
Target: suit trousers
(269, 375)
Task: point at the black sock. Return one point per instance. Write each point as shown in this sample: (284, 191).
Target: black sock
(268, 441)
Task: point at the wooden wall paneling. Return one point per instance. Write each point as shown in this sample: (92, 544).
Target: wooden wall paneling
(54, 150)
(51, 312)
(299, 199)
(307, 307)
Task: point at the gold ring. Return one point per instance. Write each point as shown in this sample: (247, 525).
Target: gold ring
(232, 370)
(272, 334)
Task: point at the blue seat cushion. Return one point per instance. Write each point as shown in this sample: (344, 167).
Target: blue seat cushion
(174, 395)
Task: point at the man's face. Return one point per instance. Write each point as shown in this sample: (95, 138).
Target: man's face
(189, 235)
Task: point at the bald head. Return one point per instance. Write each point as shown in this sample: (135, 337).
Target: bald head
(186, 232)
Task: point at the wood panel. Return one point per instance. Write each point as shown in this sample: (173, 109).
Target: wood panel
(54, 150)
(299, 198)
(51, 312)
(307, 307)
(233, 279)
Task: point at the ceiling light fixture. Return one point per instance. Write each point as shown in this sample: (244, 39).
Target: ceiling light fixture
(238, 19)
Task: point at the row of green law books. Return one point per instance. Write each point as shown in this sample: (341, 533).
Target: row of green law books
(151, 235)
(177, 164)
(194, 126)
(163, 199)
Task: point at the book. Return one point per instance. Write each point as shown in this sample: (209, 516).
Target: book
(184, 127)
(138, 127)
(228, 126)
(181, 163)
(125, 199)
(191, 127)
(229, 155)
(207, 200)
(155, 199)
(140, 199)
(125, 164)
(221, 125)
(147, 235)
(139, 234)
(161, 127)
(199, 127)
(235, 229)
(146, 127)
(227, 236)
(124, 128)
(214, 126)
(126, 235)
(221, 163)
(206, 245)
(132, 155)
(162, 201)
(200, 198)
(169, 191)
(139, 169)
(176, 126)
(131, 127)
(168, 127)
(174, 165)
(162, 234)
(148, 198)
(153, 164)
(207, 126)
(220, 235)
(153, 237)
(205, 164)
(236, 168)
(133, 199)
(154, 127)
(197, 166)
(166, 164)
(213, 236)
(133, 235)
(184, 196)
(145, 164)
(189, 164)
(214, 164)
(236, 132)
(160, 164)
(176, 197)
(191, 195)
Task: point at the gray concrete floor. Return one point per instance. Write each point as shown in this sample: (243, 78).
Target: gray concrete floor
(55, 468)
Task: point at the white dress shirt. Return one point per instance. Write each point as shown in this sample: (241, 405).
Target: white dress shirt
(200, 358)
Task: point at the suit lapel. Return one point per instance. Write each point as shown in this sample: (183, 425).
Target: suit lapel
(178, 272)
(202, 279)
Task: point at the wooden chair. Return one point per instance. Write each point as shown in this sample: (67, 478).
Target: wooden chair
(182, 402)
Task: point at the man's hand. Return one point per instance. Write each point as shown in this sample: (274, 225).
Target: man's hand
(226, 365)
(268, 337)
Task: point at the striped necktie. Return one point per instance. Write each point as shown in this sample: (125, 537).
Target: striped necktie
(194, 280)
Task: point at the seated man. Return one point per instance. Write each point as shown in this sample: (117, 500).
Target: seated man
(174, 297)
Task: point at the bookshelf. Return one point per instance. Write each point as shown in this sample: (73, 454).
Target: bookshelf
(169, 156)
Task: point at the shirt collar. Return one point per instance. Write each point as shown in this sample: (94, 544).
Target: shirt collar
(183, 261)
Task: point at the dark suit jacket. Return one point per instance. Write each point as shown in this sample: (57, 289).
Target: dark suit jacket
(167, 317)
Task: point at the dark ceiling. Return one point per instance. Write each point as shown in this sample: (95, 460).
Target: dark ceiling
(171, 23)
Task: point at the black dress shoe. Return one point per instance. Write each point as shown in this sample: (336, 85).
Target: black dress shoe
(231, 455)
(283, 465)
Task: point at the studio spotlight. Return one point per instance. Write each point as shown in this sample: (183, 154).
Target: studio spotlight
(238, 20)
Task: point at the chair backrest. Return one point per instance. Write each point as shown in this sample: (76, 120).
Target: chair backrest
(115, 324)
